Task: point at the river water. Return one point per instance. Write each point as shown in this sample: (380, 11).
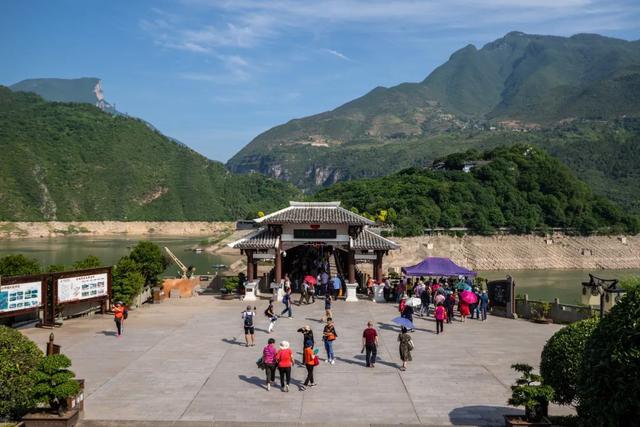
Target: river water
(538, 284)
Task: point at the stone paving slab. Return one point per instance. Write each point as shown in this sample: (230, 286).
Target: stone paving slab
(184, 363)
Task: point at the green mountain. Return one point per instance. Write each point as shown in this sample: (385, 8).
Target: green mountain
(479, 99)
(71, 161)
(519, 187)
(86, 90)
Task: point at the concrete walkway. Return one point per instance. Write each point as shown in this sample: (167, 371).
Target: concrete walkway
(185, 360)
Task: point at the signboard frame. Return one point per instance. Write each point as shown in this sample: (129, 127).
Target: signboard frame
(50, 314)
(16, 280)
(507, 285)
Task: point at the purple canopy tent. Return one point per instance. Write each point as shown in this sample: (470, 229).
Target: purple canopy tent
(433, 266)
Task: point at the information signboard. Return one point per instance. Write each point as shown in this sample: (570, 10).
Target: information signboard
(82, 287)
(20, 296)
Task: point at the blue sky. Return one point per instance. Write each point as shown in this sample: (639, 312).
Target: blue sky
(214, 74)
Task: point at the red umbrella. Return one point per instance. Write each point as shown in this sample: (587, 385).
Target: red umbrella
(468, 297)
(310, 280)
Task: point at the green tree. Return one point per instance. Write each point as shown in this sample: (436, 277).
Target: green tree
(18, 265)
(608, 387)
(127, 280)
(18, 357)
(150, 260)
(561, 359)
(54, 382)
(90, 261)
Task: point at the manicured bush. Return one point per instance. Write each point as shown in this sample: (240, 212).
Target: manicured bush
(54, 382)
(609, 381)
(150, 259)
(529, 392)
(18, 357)
(562, 358)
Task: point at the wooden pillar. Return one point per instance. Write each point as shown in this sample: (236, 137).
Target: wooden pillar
(278, 264)
(255, 269)
(250, 266)
(378, 266)
(351, 266)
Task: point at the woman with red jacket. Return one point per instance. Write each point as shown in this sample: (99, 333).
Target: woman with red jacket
(284, 356)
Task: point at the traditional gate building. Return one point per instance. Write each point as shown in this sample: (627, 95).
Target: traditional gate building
(306, 238)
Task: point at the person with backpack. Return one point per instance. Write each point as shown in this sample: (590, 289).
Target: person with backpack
(310, 361)
(286, 300)
(441, 315)
(247, 316)
(329, 335)
(269, 360)
(120, 313)
(405, 347)
(285, 360)
(271, 315)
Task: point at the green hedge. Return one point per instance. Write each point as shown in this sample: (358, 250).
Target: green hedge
(18, 358)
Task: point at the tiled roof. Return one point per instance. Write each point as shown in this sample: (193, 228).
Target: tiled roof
(370, 240)
(261, 239)
(314, 213)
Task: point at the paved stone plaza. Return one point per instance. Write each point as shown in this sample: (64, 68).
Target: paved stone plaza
(185, 360)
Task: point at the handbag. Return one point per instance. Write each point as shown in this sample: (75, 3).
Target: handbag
(260, 363)
(331, 336)
(316, 361)
(411, 346)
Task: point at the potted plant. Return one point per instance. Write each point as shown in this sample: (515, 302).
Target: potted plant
(541, 313)
(529, 392)
(230, 288)
(53, 385)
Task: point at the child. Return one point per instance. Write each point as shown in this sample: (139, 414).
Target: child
(327, 308)
(271, 315)
(441, 315)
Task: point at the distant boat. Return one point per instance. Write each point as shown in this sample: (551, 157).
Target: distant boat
(219, 266)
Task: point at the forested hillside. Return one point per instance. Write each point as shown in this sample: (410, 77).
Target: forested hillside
(478, 99)
(519, 187)
(74, 162)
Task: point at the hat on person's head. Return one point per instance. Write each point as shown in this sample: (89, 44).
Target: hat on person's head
(308, 343)
(284, 345)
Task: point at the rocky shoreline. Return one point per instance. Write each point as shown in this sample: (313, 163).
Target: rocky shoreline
(28, 230)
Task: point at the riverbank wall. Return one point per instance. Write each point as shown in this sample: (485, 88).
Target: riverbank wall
(26, 230)
(508, 252)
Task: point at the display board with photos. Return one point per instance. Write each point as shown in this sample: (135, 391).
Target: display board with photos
(82, 287)
(20, 296)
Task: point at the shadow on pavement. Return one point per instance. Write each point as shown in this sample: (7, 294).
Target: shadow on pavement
(233, 341)
(481, 415)
(107, 333)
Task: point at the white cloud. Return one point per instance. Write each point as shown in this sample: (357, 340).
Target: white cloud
(337, 54)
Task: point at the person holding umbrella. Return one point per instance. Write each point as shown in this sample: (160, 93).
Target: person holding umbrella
(407, 313)
(405, 347)
(466, 298)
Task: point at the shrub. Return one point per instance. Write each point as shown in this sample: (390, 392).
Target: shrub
(608, 385)
(90, 261)
(231, 285)
(18, 265)
(530, 393)
(18, 357)
(54, 382)
(562, 358)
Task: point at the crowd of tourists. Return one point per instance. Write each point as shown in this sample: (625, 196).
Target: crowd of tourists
(437, 297)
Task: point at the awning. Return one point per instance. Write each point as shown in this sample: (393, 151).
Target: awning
(434, 266)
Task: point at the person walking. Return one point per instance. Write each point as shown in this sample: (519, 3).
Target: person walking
(370, 344)
(271, 315)
(329, 335)
(405, 347)
(441, 315)
(407, 313)
(119, 315)
(310, 362)
(269, 359)
(449, 302)
(337, 285)
(463, 307)
(327, 308)
(286, 300)
(307, 335)
(247, 316)
(304, 293)
(285, 360)
(425, 300)
(483, 304)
